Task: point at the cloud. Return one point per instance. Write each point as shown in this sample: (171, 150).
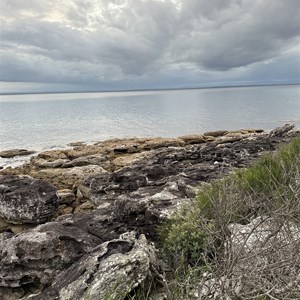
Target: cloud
(114, 41)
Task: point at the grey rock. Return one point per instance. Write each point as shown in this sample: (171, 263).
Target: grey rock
(262, 232)
(35, 256)
(191, 164)
(82, 256)
(15, 152)
(43, 163)
(65, 196)
(99, 159)
(27, 200)
(282, 131)
(11, 294)
(111, 270)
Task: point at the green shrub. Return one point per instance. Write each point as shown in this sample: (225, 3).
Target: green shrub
(272, 183)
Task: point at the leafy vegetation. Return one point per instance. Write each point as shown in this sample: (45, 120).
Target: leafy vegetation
(194, 239)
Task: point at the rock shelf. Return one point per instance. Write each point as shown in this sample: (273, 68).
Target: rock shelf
(77, 223)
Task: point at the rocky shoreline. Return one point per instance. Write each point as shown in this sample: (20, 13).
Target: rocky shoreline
(81, 223)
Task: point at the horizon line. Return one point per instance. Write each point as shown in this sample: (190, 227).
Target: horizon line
(150, 89)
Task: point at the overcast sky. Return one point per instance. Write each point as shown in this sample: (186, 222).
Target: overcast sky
(135, 44)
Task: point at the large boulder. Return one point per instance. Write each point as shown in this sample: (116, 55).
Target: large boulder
(110, 271)
(27, 200)
(80, 256)
(34, 257)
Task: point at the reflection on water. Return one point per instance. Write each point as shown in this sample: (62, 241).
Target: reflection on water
(40, 121)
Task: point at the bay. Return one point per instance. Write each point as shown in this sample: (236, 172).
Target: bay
(42, 121)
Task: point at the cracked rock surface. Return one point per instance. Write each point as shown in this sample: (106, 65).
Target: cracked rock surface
(112, 196)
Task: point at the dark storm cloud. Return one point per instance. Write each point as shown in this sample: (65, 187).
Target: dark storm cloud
(134, 41)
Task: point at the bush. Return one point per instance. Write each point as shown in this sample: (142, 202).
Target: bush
(197, 235)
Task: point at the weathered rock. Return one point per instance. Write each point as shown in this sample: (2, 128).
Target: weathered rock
(157, 143)
(110, 270)
(80, 256)
(43, 163)
(190, 164)
(82, 192)
(84, 207)
(76, 144)
(35, 256)
(217, 133)
(82, 151)
(261, 234)
(194, 139)
(65, 209)
(67, 177)
(52, 155)
(15, 152)
(11, 294)
(4, 225)
(127, 148)
(99, 160)
(126, 160)
(27, 200)
(65, 196)
(282, 131)
(148, 206)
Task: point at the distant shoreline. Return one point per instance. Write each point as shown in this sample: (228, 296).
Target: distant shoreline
(149, 90)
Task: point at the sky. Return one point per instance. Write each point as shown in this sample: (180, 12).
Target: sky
(88, 45)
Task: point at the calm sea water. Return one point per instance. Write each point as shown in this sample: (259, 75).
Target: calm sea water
(41, 121)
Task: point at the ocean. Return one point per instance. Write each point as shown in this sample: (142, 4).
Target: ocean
(44, 121)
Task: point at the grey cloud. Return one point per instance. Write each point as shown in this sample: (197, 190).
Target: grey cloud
(242, 32)
(92, 41)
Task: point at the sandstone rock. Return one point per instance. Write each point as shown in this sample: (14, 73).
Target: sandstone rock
(111, 270)
(282, 131)
(127, 148)
(99, 160)
(83, 151)
(162, 143)
(65, 210)
(230, 138)
(126, 160)
(149, 206)
(217, 133)
(244, 132)
(82, 192)
(4, 225)
(43, 163)
(65, 196)
(76, 144)
(191, 164)
(52, 155)
(11, 294)
(66, 177)
(193, 139)
(86, 206)
(26, 200)
(15, 152)
(80, 256)
(35, 256)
